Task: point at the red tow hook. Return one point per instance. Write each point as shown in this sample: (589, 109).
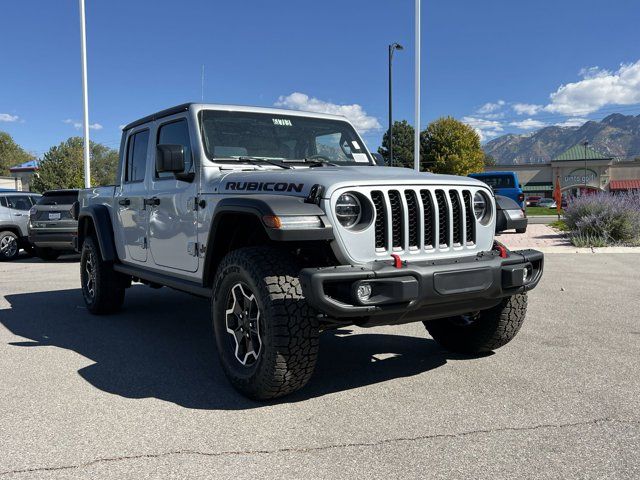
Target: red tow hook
(396, 260)
(502, 250)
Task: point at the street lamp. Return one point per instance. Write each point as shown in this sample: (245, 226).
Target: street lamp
(586, 143)
(392, 47)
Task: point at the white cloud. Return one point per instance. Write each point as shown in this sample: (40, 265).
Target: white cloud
(486, 128)
(573, 122)
(7, 117)
(491, 107)
(78, 125)
(526, 108)
(528, 124)
(597, 89)
(355, 113)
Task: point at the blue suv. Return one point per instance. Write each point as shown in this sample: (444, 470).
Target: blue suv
(503, 183)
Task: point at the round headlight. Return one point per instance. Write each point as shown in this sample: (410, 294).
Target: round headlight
(348, 210)
(481, 206)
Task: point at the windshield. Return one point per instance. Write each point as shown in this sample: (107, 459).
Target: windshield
(497, 181)
(232, 135)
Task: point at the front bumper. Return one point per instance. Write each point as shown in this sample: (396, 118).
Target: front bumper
(421, 290)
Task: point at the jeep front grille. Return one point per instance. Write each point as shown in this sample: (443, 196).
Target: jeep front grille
(421, 219)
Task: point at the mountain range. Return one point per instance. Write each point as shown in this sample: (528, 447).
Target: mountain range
(616, 135)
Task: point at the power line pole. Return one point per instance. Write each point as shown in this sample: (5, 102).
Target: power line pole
(85, 97)
(416, 130)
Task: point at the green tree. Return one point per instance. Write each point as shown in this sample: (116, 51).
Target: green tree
(11, 153)
(452, 147)
(489, 160)
(402, 145)
(62, 166)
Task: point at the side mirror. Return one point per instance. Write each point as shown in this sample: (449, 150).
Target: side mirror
(170, 158)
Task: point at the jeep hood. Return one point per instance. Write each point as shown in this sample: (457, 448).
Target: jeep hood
(298, 181)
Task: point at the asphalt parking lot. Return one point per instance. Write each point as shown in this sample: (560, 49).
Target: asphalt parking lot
(141, 395)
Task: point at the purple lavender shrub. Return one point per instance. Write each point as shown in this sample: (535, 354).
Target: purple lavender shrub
(605, 218)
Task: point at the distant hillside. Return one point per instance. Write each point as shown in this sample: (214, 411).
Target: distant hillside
(616, 135)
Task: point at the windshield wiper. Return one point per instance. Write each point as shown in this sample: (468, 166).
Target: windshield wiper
(255, 160)
(319, 162)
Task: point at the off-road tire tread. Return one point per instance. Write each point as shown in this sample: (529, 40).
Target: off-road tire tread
(293, 323)
(109, 283)
(495, 328)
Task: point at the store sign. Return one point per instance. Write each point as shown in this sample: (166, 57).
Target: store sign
(580, 176)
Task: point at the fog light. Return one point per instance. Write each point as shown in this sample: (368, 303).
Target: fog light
(526, 274)
(364, 292)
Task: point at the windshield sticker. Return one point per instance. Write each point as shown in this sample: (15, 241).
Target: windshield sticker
(356, 145)
(283, 122)
(360, 157)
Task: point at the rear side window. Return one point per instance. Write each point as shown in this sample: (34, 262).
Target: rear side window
(54, 198)
(175, 133)
(3, 202)
(19, 202)
(137, 157)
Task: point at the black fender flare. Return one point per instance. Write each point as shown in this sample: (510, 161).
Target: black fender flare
(99, 216)
(260, 206)
(276, 205)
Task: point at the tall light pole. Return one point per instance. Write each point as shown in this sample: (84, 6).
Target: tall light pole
(85, 96)
(392, 48)
(416, 130)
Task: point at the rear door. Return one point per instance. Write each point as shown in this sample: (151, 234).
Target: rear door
(172, 216)
(129, 199)
(19, 206)
(53, 211)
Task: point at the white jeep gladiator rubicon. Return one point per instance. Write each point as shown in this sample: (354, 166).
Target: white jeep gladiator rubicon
(283, 219)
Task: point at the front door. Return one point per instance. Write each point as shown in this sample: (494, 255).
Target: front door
(130, 198)
(172, 216)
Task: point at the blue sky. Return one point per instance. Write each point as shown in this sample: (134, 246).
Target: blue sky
(502, 66)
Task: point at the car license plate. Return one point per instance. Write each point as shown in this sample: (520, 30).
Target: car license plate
(54, 216)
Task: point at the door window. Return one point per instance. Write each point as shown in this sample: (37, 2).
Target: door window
(19, 202)
(176, 133)
(137, 157)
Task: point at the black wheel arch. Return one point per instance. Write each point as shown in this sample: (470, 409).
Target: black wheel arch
(95, 219)
(237, 222)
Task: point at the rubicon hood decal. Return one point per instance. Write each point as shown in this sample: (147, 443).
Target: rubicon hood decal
(264, 186)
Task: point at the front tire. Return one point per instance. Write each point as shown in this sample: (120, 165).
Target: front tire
(9, 248)
(102, 287)
(482, 331)
(266, 334)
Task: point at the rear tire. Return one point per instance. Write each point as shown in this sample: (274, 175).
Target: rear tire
(46, 254)
(102, 287)
(9, 248)
(267, 336)
(483, 331)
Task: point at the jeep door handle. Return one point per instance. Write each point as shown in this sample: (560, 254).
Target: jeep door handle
(152, 202)
(125, 202)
